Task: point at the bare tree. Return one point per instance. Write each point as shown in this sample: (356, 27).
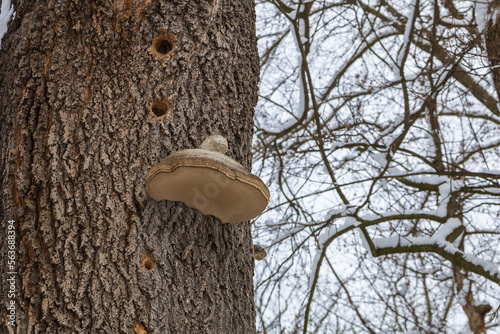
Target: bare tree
(378, 129)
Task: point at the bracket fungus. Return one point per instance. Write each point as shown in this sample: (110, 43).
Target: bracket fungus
(209, 181)
(259, 253)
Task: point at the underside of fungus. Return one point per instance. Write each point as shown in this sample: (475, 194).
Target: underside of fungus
(209, 181)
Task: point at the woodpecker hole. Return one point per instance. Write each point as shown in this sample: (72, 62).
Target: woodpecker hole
(139, 328)
(160, 108)
(147, 262)
(162, 45)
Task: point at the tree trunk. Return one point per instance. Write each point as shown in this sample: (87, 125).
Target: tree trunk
(81, 84)
(492, 41)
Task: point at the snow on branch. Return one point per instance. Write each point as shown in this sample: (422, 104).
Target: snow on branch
(410, 24)
(6, 12)
(485, 12)
(438, 243)
(298, 28)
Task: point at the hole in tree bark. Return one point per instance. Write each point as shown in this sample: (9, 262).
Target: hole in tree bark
(147, 262)
(139, 328)
(162, 45)
(148, 265)
(160, 108)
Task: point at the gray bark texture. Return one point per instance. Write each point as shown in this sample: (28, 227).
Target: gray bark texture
(80, 83)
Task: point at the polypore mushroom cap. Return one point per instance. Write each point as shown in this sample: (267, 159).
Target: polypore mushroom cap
(210, 182)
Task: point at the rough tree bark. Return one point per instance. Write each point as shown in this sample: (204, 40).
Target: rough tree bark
(78, 82)
(492, 42)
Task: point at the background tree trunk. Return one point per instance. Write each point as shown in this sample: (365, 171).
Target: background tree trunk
(94, 253)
